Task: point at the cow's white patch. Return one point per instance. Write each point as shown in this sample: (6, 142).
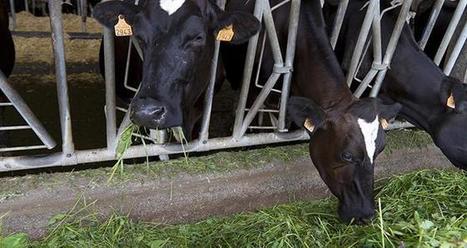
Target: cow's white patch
(171, 6)
(370, 133)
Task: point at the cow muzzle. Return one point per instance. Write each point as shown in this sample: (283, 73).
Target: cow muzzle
(153, 114)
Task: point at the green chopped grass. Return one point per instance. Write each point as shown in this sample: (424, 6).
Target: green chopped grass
(420, 209)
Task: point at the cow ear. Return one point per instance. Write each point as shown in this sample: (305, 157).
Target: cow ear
(107, 13)
(453, 94)
(387, 111)
(305, 113)
(236, 27)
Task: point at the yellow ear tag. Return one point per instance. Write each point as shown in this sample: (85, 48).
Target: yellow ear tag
(451, 103)
(308, 124)
(384, 123)
(122, 28)
(226, 34)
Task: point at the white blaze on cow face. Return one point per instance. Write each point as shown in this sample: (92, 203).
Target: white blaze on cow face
(171, 6)
(370, 133)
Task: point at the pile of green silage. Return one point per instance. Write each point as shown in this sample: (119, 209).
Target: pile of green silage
(420, 209)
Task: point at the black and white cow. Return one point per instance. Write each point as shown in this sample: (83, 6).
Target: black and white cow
(346, 133)
(431, 100)
(177, 38)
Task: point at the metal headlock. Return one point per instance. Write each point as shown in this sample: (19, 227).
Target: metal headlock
(275, 130)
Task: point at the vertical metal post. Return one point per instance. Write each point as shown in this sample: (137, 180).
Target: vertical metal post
(392, 45)
(456, 50)
(338, 22)
(13, 14)
(377, 52)
(289, 59)
(249, 62)
(450, 31)
(33, 6)
(362, 37)
(431, 23)
(84, 14)
(204, 133)
(55, 10)
(26, 6)
(110, 105)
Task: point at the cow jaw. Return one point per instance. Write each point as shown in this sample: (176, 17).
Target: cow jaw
(370, 133)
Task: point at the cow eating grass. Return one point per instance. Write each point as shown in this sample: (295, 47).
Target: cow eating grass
(177, 39)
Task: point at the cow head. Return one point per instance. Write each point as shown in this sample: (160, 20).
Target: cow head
(177, 39)
(449, 128)
(343, 146)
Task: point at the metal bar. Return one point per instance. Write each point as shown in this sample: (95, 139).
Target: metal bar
(22, 148)
(26, 6)
(249, 62)
(338, 22)
(84, 14)
(450, 31)
(456, 51)
(265, 110)
(6, 104)
(399, 125)
(127, 67)
(377, 52)
(11, 128)
(56, 23)
(100, 155)
(272, 34)
(13, 14)
(289, 59)
(138, 48)
(33, 7)
(110, 105)
(392, 45)
(208, 98)
(431, 23)
(259, 101)
(362, 37)
(26, 112)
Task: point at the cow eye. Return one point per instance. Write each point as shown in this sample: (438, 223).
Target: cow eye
(347, 156)
(198, 40)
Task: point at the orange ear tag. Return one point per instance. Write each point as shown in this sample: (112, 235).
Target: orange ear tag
(122, 28)
(384, 123)
(308, 124)
(451, 103)
(226, 34)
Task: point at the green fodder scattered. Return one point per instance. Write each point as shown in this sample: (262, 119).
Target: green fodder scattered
(420, 209)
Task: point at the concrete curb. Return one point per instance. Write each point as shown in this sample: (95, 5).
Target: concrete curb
(187, 198)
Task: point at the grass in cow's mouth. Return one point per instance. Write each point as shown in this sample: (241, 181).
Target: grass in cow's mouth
(419, 209)
(126, 140)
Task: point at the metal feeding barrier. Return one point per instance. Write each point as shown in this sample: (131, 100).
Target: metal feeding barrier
(81, 10)
(274, 131)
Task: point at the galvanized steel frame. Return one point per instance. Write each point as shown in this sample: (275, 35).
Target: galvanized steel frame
(263, 11)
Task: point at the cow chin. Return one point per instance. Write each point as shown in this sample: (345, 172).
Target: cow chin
(451, 138)
(359, 211)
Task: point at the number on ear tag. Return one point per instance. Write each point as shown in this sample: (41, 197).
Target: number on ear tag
(451, 103)
(122, 28)
(226, 34)
(308, 124)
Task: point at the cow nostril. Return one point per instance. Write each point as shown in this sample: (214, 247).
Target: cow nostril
(156, 111)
